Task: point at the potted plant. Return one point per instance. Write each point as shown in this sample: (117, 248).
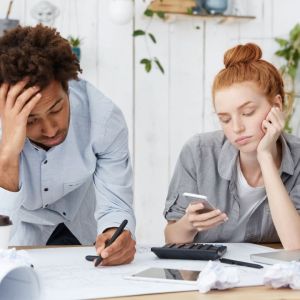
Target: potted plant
(75, 43)
(7, 23)
(290, 51)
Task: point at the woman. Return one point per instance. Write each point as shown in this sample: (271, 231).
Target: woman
(249, 171)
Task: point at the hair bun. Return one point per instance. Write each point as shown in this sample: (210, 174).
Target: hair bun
(242, 54)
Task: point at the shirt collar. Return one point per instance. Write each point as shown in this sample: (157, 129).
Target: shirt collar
(229, 154)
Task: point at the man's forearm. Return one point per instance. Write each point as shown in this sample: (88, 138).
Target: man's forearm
(9, 172)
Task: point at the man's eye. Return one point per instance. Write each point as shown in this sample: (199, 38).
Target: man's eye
(31, 122)
(56, 111)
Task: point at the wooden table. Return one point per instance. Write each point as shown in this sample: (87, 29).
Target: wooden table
(246, 293)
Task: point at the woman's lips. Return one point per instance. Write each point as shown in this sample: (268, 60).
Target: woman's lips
(242, 140)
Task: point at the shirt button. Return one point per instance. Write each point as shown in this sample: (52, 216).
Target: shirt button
(46, 205)
(46, 189)
(64, 213)
(45, 161)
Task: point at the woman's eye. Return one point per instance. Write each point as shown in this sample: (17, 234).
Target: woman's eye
(225, 120)
(248, 113)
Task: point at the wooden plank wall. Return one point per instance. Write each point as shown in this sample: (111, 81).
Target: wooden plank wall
(162, 111)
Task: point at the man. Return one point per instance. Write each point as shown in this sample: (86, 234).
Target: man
(65, 173)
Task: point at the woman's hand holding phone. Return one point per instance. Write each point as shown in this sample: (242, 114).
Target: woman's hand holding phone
(202, 216)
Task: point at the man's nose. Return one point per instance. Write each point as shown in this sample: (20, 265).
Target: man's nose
(49, 128)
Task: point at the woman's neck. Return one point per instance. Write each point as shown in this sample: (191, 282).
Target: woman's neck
(250, 166)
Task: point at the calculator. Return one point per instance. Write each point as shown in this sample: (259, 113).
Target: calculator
(190, 251)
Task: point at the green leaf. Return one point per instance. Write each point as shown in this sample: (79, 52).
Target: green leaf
(294, 33)
(161, 14)
(139, 32)
(281, 42)
(148, 64)
(148, 13)
(152, 37)
(159, 65)
(189, 11)
(292, 72)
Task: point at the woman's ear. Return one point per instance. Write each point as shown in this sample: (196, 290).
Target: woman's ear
(278, 102)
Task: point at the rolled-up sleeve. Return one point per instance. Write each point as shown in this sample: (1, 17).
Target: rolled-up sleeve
(183, 180)
(10, 202)
(113, 176)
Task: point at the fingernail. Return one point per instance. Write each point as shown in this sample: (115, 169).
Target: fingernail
(226, 219)
(104, 255)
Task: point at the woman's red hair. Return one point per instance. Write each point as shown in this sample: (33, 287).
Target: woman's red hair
(244, 63)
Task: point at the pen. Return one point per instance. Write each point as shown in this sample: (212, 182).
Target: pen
(113, 238)
(240, 263)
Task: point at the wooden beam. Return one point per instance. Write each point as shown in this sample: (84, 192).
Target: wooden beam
(172, 6)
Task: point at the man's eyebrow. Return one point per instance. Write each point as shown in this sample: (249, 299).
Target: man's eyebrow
(241, 106)
(60, 99)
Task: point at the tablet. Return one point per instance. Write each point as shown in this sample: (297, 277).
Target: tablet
(166, 275)
(275, 257)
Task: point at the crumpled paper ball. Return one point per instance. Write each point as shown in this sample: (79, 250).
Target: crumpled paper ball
(217, 276)
(283, 275)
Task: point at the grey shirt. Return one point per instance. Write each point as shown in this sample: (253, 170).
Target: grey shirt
(207, 166)
(85, 182)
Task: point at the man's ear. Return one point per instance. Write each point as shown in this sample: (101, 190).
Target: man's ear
(278, 102)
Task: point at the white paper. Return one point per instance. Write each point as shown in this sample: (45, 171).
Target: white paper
(65, 274)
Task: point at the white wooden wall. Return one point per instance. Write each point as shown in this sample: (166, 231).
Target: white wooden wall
(162, 111)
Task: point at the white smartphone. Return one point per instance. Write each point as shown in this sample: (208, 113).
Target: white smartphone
(196, 198)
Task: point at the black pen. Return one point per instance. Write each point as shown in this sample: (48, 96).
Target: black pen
(240, 263)
(108, 243)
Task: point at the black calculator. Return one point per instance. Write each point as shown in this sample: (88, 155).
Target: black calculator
(190, 251)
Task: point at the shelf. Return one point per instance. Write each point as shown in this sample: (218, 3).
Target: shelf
(180, 8)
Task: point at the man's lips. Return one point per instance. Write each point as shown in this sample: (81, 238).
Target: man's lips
(242, 140)
(54, 141)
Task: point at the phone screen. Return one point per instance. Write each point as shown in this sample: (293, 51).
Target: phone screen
(195, 198)
(170, 274)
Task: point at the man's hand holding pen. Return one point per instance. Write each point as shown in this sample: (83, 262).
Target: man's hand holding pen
(120, 251)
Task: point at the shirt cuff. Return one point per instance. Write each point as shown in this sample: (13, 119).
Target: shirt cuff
(10, 202)
(115, 220)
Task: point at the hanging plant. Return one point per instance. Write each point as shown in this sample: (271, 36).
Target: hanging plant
(290, 51)
(149, 61)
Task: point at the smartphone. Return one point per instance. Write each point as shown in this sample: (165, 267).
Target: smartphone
(166, 275)
(196, 198)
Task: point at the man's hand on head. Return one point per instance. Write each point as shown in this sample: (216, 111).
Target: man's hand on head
(16, 103)
(121, 251)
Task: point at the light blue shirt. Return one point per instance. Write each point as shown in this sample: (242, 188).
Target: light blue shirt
(85, 182)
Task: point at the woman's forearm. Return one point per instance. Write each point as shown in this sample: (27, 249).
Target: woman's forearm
(180, 231)
(284, 214)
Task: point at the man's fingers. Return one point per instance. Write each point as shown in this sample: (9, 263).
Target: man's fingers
(25, 97)
(118, 244)
(3, 94)
(28, 107)
(123, 256)
(14, 92)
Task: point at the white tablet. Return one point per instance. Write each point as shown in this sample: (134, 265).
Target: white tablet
(275, 257)
(166, 275)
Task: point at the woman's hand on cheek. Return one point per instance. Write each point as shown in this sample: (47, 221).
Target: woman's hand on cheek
(272, 127)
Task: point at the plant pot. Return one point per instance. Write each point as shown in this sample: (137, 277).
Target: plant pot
(77, 52)
(215, 7)
(7, 24)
